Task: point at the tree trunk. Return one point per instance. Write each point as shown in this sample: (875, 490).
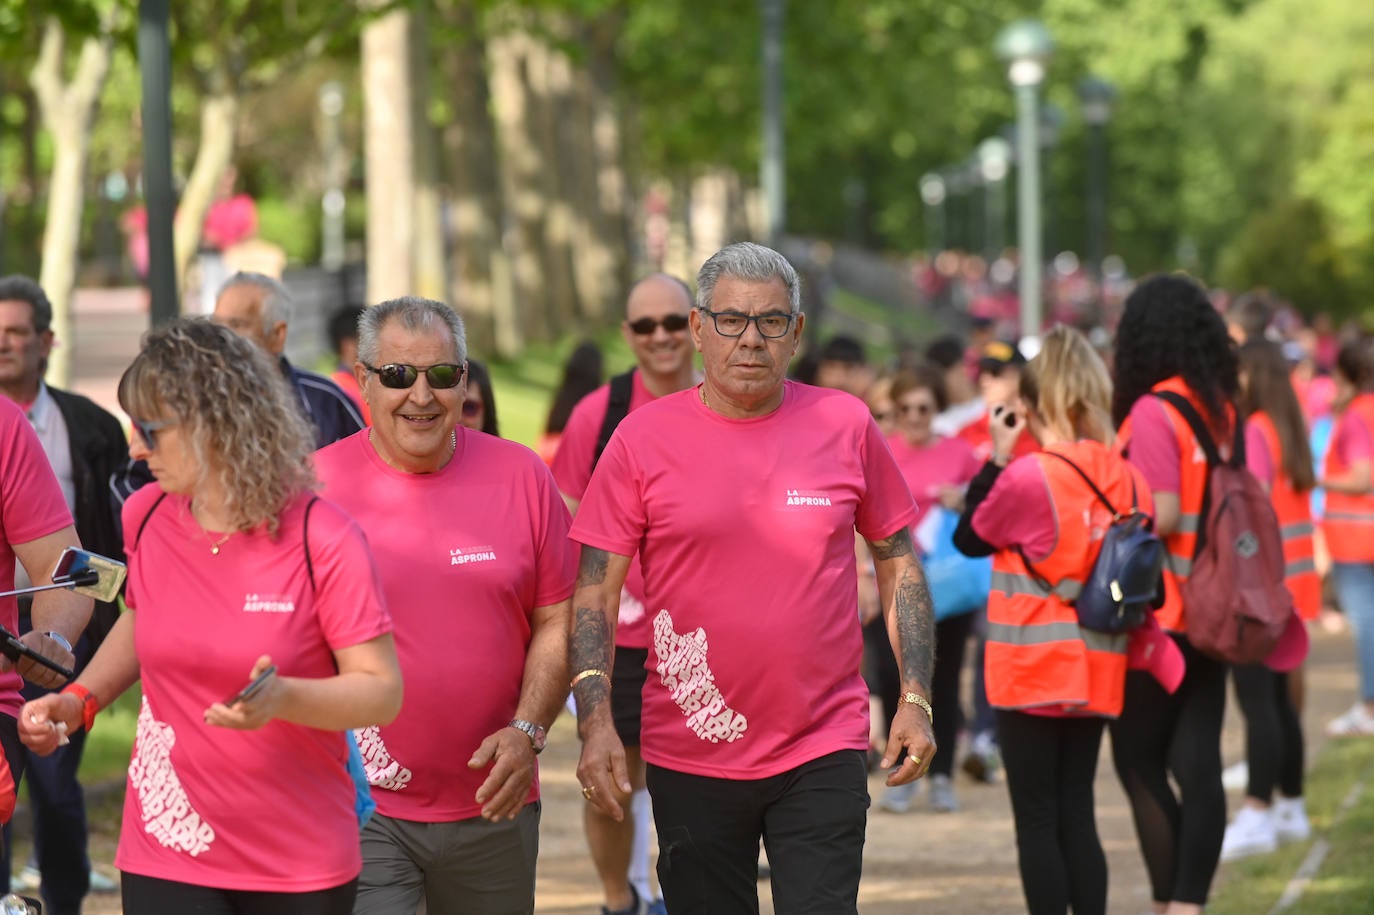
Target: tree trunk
(476, 192)
(389, 138)
(612, 238)
(522, 181)
(219, 112)
(68, 113)
(551, 79)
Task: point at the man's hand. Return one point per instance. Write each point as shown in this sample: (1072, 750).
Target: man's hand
(34, 672)
(601, 770)
(911, 728)
(511, 757)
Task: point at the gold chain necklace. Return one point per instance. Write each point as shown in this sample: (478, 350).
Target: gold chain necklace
(216, 544)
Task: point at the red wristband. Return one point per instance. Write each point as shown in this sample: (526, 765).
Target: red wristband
(89, 705)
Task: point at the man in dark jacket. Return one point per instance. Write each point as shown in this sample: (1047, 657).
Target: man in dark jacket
(85, 445)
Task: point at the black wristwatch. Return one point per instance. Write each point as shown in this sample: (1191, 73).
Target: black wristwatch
(537, 735)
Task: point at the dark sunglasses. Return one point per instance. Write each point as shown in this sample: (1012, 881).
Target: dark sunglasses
(918, 409)
(672, 324)
(400, 376)
(148, 430)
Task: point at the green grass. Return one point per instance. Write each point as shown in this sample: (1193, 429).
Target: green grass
(1344, 884)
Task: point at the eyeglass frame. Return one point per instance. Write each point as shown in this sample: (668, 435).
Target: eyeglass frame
(748, 319)
(462, 368)
(148, 429)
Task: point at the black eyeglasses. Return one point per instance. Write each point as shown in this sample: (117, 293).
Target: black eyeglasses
(733, 324)
(148, 430)
(400, 375)
(673, 324)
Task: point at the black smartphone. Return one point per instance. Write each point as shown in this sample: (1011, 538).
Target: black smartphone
(1006, 414)
(254, 685)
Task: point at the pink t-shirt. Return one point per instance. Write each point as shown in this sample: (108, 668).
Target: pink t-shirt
(1153, 448)
(945, 461)
(1257, 457)
(746, 531)
(269, 809)
(1352, 440)
(466, 554)
(31, 506)
(572, 469)
(1018, 510)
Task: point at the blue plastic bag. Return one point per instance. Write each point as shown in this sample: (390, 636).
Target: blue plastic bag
(363, 804)
(958, 584)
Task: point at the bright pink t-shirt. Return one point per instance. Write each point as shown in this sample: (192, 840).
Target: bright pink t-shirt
(269, 809)
(1018, 510)
(1258, 460)
(746, 531)
(1352, 440)
(466, 554)
(945, 461)
(1153, 447)
(572, 469)
(31, 506)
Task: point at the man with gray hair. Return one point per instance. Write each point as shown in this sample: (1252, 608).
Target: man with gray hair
(742, 496)
(258, 308)
(470, 538)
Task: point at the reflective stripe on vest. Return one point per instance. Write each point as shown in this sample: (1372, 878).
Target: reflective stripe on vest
(1188, 523)
(1294, 511)
(1013, 584)
(1042, 633)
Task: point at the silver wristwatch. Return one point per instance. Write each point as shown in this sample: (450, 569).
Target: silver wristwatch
(537, 735)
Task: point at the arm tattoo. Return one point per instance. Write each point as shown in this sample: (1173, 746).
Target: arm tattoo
(590, 649)
(915, 625)
(591, 568)
(899, 544)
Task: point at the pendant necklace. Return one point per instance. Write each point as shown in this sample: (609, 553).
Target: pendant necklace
(215, 545)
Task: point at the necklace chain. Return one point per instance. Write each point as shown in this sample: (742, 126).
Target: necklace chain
(216, 544)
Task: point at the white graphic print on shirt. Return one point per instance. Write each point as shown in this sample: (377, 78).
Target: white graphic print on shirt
(683, 668)
(382, 771)
(167, 812)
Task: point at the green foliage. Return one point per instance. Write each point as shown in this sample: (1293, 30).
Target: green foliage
(295, 226)
(1289, 249)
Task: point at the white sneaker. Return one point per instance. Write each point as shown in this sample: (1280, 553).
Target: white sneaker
(1236, 777)
(942, 799)
(898, 798)
(27, 880)
(1252, 832)
(1290, 820)
(1356, 722)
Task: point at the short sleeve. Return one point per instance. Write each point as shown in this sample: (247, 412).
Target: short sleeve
(348, 591)
(31, 501)
(556, 563)
(572, 462)
(1354, 442)
(887, 505)
(1154, 446)
(1018, 510)
(611, 516)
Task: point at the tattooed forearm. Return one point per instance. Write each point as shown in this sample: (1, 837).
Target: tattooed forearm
(915, 619)
(592, 567)
(589, 648)
(899, 544)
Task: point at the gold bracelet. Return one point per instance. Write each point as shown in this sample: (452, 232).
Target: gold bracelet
(918, 699)
(589, 672)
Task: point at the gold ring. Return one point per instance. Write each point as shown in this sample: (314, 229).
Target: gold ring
(587, 791)
(916, 760)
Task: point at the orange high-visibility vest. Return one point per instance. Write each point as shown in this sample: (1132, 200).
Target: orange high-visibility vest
(1349, 520)
(1192, 484)
(1037, 655)
(1294, 510)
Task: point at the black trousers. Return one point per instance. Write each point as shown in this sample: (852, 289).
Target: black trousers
(1273, 732)
(150, 896)
(811, 820)
(1160, 735)
(1050, 765)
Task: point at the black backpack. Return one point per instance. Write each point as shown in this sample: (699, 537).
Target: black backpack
(617, 408)
(1126, 578)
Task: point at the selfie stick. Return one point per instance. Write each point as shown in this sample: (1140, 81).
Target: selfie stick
(12, 648)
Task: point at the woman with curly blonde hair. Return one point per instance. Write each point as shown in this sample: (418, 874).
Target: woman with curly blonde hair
(238, 797)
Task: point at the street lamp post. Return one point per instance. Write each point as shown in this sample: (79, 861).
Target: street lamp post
(773, 166)
(1096, 95)
(332, 205)
(1026, 46)
(933, 196)
(994, 159)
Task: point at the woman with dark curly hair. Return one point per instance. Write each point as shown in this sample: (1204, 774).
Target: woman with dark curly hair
(1171, 339)
(238, 798)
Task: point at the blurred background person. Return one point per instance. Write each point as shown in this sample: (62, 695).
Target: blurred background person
(479, 403)
(343, 343)
(236, 569)
(582, 373)
(842, 364)
(85, 446)
(1171, 338)
(1348, 524)
(1277, 453)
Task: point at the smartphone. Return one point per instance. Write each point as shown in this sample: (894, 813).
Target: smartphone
(96, 576)
(253, 687)
(1006, 414)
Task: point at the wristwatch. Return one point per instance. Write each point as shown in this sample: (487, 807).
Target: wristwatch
(537, 735)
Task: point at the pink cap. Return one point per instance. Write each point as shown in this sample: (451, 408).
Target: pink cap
(1291, 650)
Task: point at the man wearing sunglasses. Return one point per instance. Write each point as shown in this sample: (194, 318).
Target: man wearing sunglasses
(258, 308)
(742, 497)
(655, 327)
(84, 445)
(470, 539)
